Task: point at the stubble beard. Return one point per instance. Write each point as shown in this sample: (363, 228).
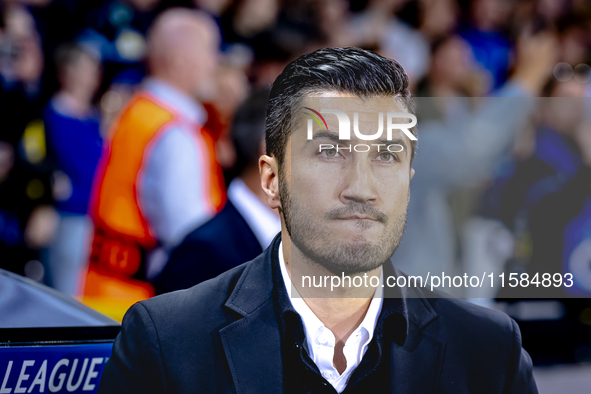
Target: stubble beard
(314, 238)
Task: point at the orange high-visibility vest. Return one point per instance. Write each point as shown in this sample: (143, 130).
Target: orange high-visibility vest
(122, 233)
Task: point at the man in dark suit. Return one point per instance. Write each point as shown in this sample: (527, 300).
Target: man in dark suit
(244, 227)
(259, 328)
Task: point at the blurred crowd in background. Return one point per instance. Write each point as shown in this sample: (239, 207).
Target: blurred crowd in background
(78, 79)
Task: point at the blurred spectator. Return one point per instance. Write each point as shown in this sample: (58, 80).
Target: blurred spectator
(160, 178)
(545, 202)
(245, 19)
(378, 28)
(485, 34)
(438, 18)
(246, 223)
(231, 90)
(27, 220)
(21, 73)
(333, 18)
(215, 9)
(123, 87)
(450, 48)
(271, 56)
(453, 71)
(75, 146)
(22, 57)
(521, 195)
(462, 149)
(369, 25)
(120, 26)
(573, 36)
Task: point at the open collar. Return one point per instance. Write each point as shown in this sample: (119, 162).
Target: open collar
(252, 343)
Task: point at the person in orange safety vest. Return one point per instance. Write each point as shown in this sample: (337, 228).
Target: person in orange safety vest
(158, 178)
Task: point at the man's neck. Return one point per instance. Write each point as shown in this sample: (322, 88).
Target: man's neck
(176, 84)
(341, 310)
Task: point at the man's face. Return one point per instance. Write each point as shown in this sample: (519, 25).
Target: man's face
(345, 210)
(202, 53)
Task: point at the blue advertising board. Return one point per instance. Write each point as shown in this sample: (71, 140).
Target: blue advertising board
(53, 369)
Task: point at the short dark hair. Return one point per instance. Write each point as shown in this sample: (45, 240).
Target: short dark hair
(347, 70)
(248, 129)
(70, 53)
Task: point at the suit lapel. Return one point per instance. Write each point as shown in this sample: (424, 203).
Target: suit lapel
(252, 344)
(253, 350)
(415, 364)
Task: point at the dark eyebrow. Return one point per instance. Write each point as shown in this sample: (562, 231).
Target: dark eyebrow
(326, 134)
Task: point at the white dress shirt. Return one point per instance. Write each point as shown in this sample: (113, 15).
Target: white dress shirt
(320, 341)
(264, 223)
(174, 181)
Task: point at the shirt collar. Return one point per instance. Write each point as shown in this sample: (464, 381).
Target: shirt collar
(264, 223)
(394, 313)
(312, 325)
(181, 101)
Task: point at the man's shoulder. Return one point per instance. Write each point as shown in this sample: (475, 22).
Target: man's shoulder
(460, 311)
(440, 311)
(145, 109)
(223, 299)
(193, 304)
(483, 344)
(227, 223)
(467, 323)
(205, 253)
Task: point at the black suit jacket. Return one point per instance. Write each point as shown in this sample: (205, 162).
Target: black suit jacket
(222, 336)
(222, 243)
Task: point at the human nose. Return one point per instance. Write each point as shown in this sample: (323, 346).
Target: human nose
(360, 184)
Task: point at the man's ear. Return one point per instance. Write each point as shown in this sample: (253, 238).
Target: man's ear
(269, 170)
(412, 172)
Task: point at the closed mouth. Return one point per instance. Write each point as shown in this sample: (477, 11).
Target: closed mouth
(357, 217)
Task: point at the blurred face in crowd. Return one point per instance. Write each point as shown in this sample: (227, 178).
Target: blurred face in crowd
(184, 51)
(21, 45)
(345, 210)
(253, 16)
(202, 59)
(490, 15)
(565, 111)
(550, 9)
(452, 61)
(332, 12)
(437, 17)
(573, 46)
(82, 76)
(232, 88)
